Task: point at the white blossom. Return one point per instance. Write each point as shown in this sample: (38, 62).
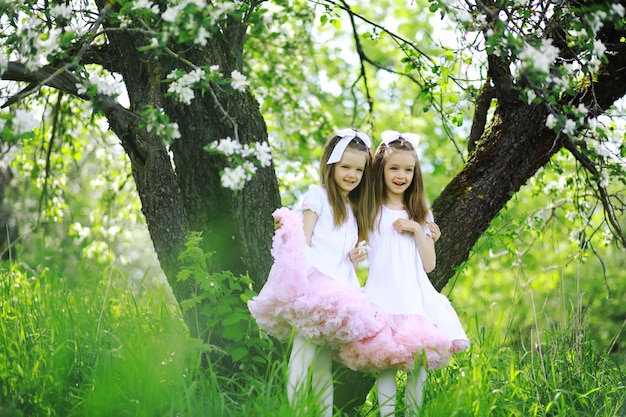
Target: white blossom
(464, 16)
(202, 36)
(530, 96)
(4, 63)
(239, 81)
(224, 8)
(182, 87)
(250, 169)
(597, 21)
(618, 9)
(142, 4)
(363, 247)
(184, 94)
(570, 127)
(81, 232)
(234, 178)
(175, 131)
(574, 237)
(171, 14)
(146, 4)
(598, 48)
(539, 58)
(594, 65)
(103, 86)
(592, 123)
(263, 154)
(61, 10)
(80, 88)
(602, 150)
(574, 33)
(227, 146)
(551, 121)
(23, 121)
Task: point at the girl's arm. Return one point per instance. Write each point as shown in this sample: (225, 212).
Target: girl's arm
(425, 244)
(309, 218)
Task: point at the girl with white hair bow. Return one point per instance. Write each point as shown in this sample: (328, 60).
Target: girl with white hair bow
(313, 287)
(420, 329)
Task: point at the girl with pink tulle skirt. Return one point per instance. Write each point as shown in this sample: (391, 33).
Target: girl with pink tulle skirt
(419, 328)
(312, 286)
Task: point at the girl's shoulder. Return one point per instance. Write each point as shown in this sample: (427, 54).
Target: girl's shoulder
(316, 192)
(314, 199)
(315, 188)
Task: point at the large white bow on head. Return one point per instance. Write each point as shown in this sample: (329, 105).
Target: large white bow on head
(389, 136)
(346, 136)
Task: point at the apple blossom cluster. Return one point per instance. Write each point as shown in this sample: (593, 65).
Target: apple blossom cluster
(35, 44)
(363, 247)
(99, 86)
(540, 58)
(245, 159)
(20, 122)
(186, 17)
(156, 122)
(182, 84)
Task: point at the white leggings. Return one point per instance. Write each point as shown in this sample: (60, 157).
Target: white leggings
(315, 361)
(413, 394)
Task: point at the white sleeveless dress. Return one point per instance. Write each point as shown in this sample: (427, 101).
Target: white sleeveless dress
(418, 322)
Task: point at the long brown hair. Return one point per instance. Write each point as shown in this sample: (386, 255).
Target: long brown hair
(359, 197)
(414, 197)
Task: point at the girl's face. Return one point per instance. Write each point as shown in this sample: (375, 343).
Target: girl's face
(349, 171)
(398, 172)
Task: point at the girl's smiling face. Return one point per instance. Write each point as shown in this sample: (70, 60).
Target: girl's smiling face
(349, 171)
(398, 173)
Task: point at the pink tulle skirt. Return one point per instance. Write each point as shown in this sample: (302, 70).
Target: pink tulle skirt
(404, 342)
(319, 307)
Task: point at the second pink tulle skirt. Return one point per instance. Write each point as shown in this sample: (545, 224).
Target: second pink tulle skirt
(404, 342)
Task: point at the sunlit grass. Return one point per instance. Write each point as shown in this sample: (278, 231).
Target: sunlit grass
(101, 351)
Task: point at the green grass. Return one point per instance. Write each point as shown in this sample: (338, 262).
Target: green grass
(102, 351)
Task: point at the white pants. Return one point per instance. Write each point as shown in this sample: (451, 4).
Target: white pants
(315, 362)
(413, 394)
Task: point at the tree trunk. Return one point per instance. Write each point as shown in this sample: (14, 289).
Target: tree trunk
(238, 228)
(510, 152)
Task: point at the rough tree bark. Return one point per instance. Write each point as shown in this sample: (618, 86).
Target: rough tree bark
(185, 194)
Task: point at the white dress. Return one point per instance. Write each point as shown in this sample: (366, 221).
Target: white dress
(330, 244)
(314, 288)
(416, 318)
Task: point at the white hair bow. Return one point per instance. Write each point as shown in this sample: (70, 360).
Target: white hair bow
(389, 136)
(346, 136)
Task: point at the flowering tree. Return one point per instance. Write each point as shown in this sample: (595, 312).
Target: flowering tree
(180, 83)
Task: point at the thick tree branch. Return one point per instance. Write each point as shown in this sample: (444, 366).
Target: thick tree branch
(58, 78)
(481, 109)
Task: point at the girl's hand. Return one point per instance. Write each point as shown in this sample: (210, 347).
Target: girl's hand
(357, 255)
(406, 225)
(436, 231)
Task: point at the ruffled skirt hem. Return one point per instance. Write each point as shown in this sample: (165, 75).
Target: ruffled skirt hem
(404, 342)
